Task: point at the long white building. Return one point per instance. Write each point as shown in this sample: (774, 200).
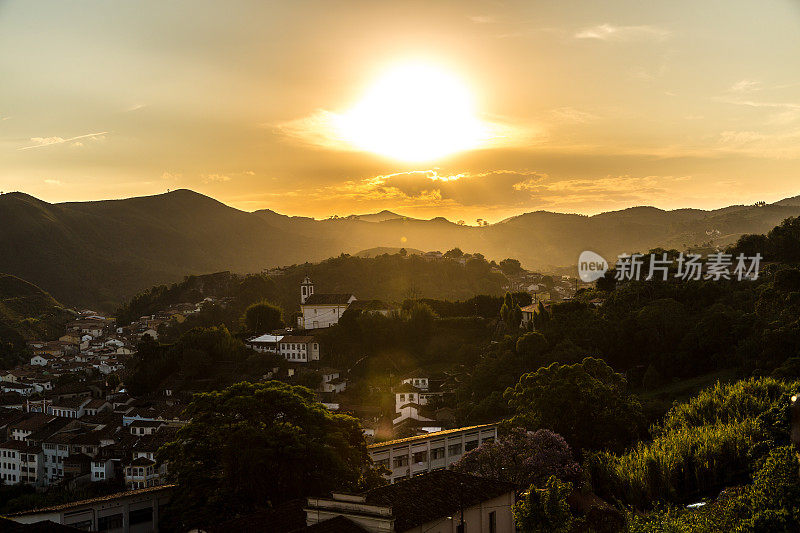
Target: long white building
(425, 453)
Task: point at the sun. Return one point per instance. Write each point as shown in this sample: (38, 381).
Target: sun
(414, 112)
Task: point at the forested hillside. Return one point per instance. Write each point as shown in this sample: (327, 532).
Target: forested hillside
(98, 254)
(26, 313)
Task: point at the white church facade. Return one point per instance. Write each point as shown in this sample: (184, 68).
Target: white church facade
(320, 310)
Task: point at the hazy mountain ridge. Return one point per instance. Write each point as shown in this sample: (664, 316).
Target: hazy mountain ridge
(99, 253)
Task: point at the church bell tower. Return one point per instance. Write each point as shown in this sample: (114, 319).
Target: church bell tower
(306, 289)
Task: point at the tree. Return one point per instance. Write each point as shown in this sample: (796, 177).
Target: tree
(263, 316)
(545, 510)
(455, 253)
(531, 345)
(510, 266)
(254, 445)
(585, 402)
(523, 458)
(510, 312)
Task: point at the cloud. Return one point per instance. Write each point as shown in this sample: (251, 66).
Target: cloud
(40, 142)
(53, 182)
(745, 86)
(608, 32)
(483, 19)
(134, 107)
(575, 116)
(171, 176)
(216, 178)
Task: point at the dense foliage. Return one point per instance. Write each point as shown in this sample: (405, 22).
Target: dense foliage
(523, 458)
(545, 509)
(703, 445)
(254, 445)
(586, 402)
(201, 359)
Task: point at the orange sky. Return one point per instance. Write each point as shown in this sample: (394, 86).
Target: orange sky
(588, 106)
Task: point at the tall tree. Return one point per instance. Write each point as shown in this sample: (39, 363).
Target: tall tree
(262, 317)
(587, 403)
(253, 445)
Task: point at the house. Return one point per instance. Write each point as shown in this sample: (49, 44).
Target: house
(266, 343)
(69, 407)
(527, 314)
(141, 473)
(42, 359)
(95, 407)
(413, 455)
(435, 502)
(299, 348)
(320, 310)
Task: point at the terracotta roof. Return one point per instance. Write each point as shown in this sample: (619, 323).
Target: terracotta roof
(297, 338)
(328, 299)
(371, 305)
(435, 495)
(33, 422)
(80, 503)
(142, 461)
(429, 435)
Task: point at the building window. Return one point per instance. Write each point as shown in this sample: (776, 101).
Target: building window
(141, 516)
(493, 522)
(471, 445)
(454, 449)
(420, 457)
(401, 461)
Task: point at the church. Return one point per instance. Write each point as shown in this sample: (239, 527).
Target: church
(320, 310)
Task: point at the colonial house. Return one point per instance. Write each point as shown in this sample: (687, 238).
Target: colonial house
(141, 473)
(320, 310)
(299, 348)
(69, 407)
(266, 343)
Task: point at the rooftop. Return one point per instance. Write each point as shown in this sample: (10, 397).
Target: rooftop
(429, 435)
(81, 503)
(328, 299)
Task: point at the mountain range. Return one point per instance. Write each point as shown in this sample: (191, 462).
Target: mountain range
(100, 253)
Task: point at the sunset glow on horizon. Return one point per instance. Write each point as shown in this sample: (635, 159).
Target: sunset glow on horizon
(572, 106)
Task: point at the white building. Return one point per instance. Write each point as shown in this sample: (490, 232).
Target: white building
(414, 455)
(320, 310)
(266, 343)
(299, 348)
(102, 469)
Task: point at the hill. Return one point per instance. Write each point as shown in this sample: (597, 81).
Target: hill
(380, 250)
(27, 313)
(100, 253)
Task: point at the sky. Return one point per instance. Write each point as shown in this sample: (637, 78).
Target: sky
(459, 109)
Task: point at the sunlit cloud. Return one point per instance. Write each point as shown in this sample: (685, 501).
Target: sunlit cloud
(52, 182)
(609, 32)
(216, 178)
(483, 19)
(744, 86)
(41, 142)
